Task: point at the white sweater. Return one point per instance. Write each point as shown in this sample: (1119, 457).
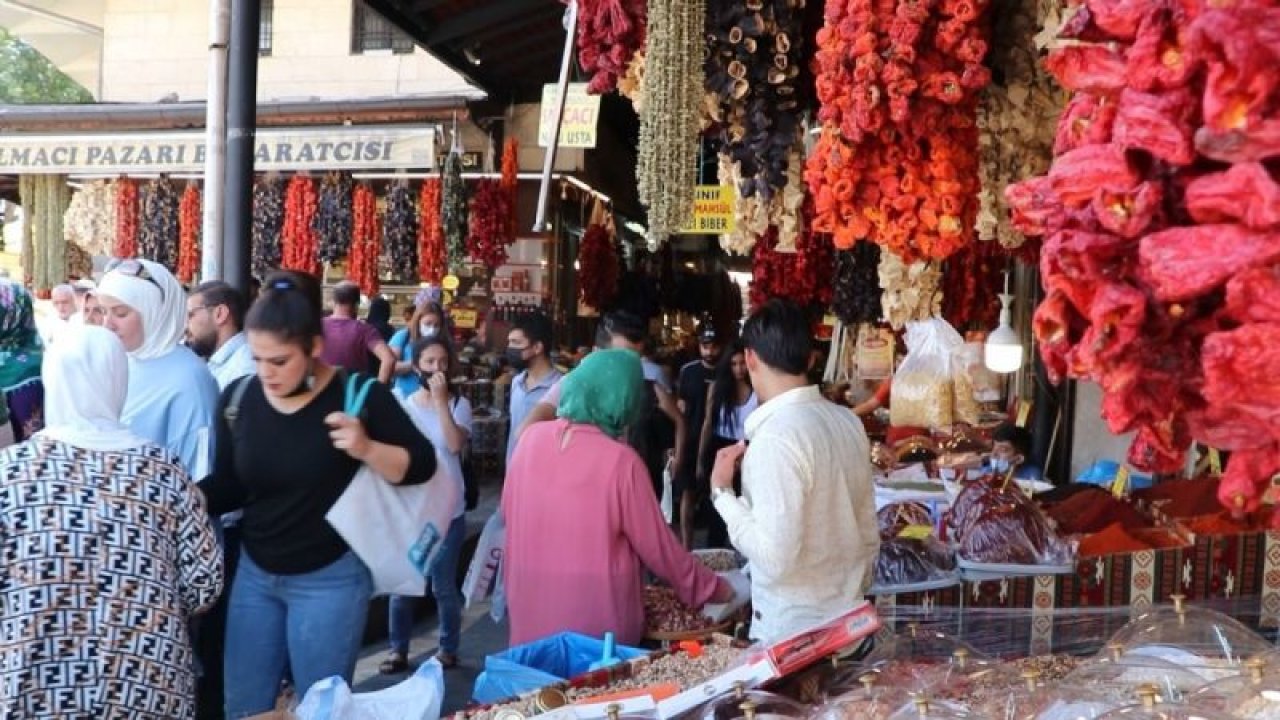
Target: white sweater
(806, 520)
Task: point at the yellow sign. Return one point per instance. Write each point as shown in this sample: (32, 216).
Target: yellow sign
(581, 113)
(464, 318)
(712, 211)
(450, 282)
(916, 532)
(1120, 486)
(1215, 462)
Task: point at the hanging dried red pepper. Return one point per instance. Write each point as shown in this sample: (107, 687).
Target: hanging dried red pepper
(511, 184)
(300, 242)
(804, 276)
(970, 283)
(488, 224)
(598, 269)
(126, 244)
(609, 34)
(366, 241)
(189, 226)
(432, 259)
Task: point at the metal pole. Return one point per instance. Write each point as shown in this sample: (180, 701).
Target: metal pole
(242, 92)
(215, 140)
(549, 160)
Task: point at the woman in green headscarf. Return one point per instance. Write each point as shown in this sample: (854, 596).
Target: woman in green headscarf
(582, 521)
(21, 413)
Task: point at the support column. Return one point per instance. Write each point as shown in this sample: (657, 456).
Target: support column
(215, 159)
(242, 103)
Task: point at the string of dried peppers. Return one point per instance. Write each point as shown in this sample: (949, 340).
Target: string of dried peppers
(598, 269)
(453, 211)
(511, 184)
(366, 241)
(1161, 218)
(300, 242)
(432, 260)
(126, 243)
(970, 283)
(803, 275)
(190, 222)
(610, 32)
(488, 223)
(268, 219)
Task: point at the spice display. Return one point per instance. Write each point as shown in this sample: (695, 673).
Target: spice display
(453, 211)
(599, 268)
(911, 291)
(127, 210)
(400, 232)
(803, 276)
(511, 185)
(752, 69)
(158, 236)
(1223, 523)
(897, 159)
(298, 238)
(90, 220)
(1113, 539)
(366, 241)
(190, 223)
(994, 522)
(664, 613)
(333, 218)
(489, 223)
(610, 32)
(1018, 112)
(1157, 202)
(432, 255)
(666, 171)
(1094, 509)
(268, 220)
(857, 284)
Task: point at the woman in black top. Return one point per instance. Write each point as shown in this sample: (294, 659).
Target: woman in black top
(284, 456)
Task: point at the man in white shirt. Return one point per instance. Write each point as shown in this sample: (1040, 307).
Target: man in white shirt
(215, 314)
(806, 519)
(62, 299)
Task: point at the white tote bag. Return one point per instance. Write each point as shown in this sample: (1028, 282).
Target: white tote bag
(396, 530)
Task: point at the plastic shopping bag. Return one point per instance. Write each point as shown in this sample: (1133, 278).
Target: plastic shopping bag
(417, 698)
(923, 389)
(540, 663)
(668, 492)
(486, 564)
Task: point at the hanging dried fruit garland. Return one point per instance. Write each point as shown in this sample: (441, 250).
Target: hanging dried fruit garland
(803, 275)
(126, 242)
(90, 220)
(666, 171)
(598, 270)
(332, 222)
(453, 212)
(511, 184)
(857, 284)
(268, 220)
(754, 215)
(488, 223)
(189, 225)
(366, 245)
(400, 232)
(300, 243)
(432, 256)
(610, 32)
(158, 239)
(1161, 219)
(971, 282)
(911, 291)
(898, 82)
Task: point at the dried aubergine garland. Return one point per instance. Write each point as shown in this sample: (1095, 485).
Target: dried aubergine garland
(857, 284)
(453, 211)
(158, 236)
(400, 232)
(332, 223)
(268, 220)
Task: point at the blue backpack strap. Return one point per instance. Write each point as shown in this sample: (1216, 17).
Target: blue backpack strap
(357, 394)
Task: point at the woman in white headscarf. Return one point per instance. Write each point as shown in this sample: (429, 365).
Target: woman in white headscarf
(106, 553)
(172, 397)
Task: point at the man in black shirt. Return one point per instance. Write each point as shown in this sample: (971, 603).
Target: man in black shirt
(691, 393)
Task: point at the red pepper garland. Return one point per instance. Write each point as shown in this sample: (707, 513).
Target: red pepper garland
(126, 244)
(189, 226)
(300, 242)
(597, 268)
(488, 224)
(609, 34)
(804, 276)
(366, 241)
(511, 183)
(432, 256)
(970, 284)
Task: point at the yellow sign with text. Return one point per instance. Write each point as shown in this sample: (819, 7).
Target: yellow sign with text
(712, 211)
(464, 318)
(581, 112)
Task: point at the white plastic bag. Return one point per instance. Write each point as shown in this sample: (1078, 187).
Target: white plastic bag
(486, 564)
(741, 585)
(668, 501)
(417, 698)
(922, 394)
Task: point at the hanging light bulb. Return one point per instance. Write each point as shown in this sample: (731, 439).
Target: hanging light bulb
(1003, 350)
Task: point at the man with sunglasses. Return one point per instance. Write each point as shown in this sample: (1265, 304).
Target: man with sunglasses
(215, 316)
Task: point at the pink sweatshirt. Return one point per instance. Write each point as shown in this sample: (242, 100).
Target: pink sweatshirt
(582, 525)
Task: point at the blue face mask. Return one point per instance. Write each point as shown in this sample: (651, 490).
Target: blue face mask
(1000, 465)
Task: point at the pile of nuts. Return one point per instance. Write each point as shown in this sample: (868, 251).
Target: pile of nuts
(718, 560)
(679, 668)
(664, 613)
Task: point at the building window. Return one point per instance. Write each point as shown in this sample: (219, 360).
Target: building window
(370, 32)
(265, 25)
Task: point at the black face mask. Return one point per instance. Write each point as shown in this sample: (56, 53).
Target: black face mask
(424, 379)
(307, 384)
(517, 359)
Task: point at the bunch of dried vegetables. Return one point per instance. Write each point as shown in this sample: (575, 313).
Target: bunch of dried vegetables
(333, 218)
(158, 236)
(90, 221)
(190, 223)
(400, 232)
(366, 241)
(610, 33)
(432, 256)
(488, 224)
(453, 211)
(268, 220)
(126, 236)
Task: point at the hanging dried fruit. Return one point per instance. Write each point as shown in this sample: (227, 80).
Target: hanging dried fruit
(366, 241)
(432, 257)
(488, 222)
(268, 220)
(90, 220)
(189, 225)
(911, 290)
(666, 168)
(453, 211)
(126, 242)
(400, 232)
(332, 222)
(610, 32)
(299, 241)
(598, 269)
(857, 284)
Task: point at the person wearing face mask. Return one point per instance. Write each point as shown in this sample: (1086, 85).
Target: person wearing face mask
(528, 351)
(172, 396)
(444, 417)
(1011, 445)
(286, 453)
(427, 321)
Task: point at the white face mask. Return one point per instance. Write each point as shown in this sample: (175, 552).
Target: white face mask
(426, 330)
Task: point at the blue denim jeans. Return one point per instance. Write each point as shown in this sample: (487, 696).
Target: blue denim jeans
(310, 624)
(444, 586)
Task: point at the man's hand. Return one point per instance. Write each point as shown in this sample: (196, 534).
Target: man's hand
(348, 435)
(726, 465)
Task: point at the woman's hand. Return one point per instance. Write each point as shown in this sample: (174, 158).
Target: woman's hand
(348, 435)
(439, 388)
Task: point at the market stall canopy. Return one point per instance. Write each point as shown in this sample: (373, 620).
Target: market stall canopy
(68, 32)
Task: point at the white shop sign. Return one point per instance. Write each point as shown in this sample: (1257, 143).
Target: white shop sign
(285, 149)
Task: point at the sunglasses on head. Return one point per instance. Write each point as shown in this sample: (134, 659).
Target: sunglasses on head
(134, 268)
